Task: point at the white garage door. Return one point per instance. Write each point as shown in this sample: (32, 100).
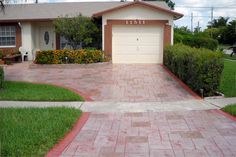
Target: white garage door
(137, 44)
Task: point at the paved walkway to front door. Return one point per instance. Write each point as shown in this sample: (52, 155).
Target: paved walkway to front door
(174, 134)
(106, 81)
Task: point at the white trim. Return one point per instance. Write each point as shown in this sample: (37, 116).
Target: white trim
(10, 46)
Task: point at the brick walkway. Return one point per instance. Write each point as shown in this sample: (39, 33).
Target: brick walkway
(190, 134)
(106, 82)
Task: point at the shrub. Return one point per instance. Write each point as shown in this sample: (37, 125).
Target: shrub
(201, 42)
(198, 68)
(1, 77)
(83, 56)
(196, 40)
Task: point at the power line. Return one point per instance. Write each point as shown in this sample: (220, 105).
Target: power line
(208, 16)
(204, 7)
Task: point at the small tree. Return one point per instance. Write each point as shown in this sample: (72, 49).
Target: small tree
(76, 30)
(170, 3)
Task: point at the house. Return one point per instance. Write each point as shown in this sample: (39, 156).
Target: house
(132, 32)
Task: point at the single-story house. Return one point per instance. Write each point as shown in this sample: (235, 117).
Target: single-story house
(132, 32)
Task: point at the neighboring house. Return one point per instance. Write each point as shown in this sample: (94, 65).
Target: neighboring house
(132, 32)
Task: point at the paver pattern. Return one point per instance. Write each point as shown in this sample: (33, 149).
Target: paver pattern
(106, 81)
(178, 134)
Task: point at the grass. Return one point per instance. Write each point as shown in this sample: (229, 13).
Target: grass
(228, 80)
(231, 109)
(227, 56)
(34, 131)
(22, 91)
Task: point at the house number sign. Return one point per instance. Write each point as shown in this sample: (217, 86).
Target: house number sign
(135, 22)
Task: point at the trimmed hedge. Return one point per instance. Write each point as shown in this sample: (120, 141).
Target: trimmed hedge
(83, 56)
(198, 68)
(1, 77)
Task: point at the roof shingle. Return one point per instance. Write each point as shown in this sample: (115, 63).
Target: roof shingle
(43, 11)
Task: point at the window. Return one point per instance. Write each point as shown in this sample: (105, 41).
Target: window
(63, 42)
(7, 36)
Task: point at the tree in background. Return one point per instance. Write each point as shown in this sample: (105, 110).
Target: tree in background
(196, 39)
(19, 1)
(217, 23)
(170, 3)
(229, 35)
(76, 30)
(2, 5)
(222, 30)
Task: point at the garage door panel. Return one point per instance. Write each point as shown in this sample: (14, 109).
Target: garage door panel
(137, 59)
(147, 38)
(148, 50)
(137, 44)
(122, 49)
(128, 40)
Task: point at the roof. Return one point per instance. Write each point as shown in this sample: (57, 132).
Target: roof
(45, 11)
(141, 3)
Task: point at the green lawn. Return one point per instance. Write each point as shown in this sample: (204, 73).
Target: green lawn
(228, 80)
(22, 91)
(34, 131)
(227, 56)
(231, 109)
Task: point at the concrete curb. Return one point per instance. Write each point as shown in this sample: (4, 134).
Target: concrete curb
(181, 83)
(227, 115)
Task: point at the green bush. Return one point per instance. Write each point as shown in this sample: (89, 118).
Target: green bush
(201, 42)
(196, 40)
(1, 77)
(198, 68)
(83, 56)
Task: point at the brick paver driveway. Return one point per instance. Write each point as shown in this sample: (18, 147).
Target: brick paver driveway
(165, 134)
(106, 82)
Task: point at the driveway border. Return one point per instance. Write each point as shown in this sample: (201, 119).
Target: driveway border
(227, 115)
(68, 138)
(181, 83)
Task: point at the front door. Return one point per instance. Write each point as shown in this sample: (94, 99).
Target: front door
(46, 38)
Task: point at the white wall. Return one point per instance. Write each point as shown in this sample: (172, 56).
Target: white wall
(31, 36)
(136, 12)
(27, 38)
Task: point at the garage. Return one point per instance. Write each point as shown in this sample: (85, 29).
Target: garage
(137, 32)
(137, 44)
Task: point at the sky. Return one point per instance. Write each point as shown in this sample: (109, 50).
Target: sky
(200, 9)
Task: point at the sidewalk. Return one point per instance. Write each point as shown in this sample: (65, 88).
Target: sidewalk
(221, 102)
(112, 107)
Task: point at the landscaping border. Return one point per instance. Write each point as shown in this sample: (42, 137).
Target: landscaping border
(227, 115)
(182, 84)
(68, 138)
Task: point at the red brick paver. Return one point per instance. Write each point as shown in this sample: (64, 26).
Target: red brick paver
(190, 134)
(106, 82)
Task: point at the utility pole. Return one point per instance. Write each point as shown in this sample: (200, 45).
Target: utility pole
(198, 27)
(212, 10)
(192, 22)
